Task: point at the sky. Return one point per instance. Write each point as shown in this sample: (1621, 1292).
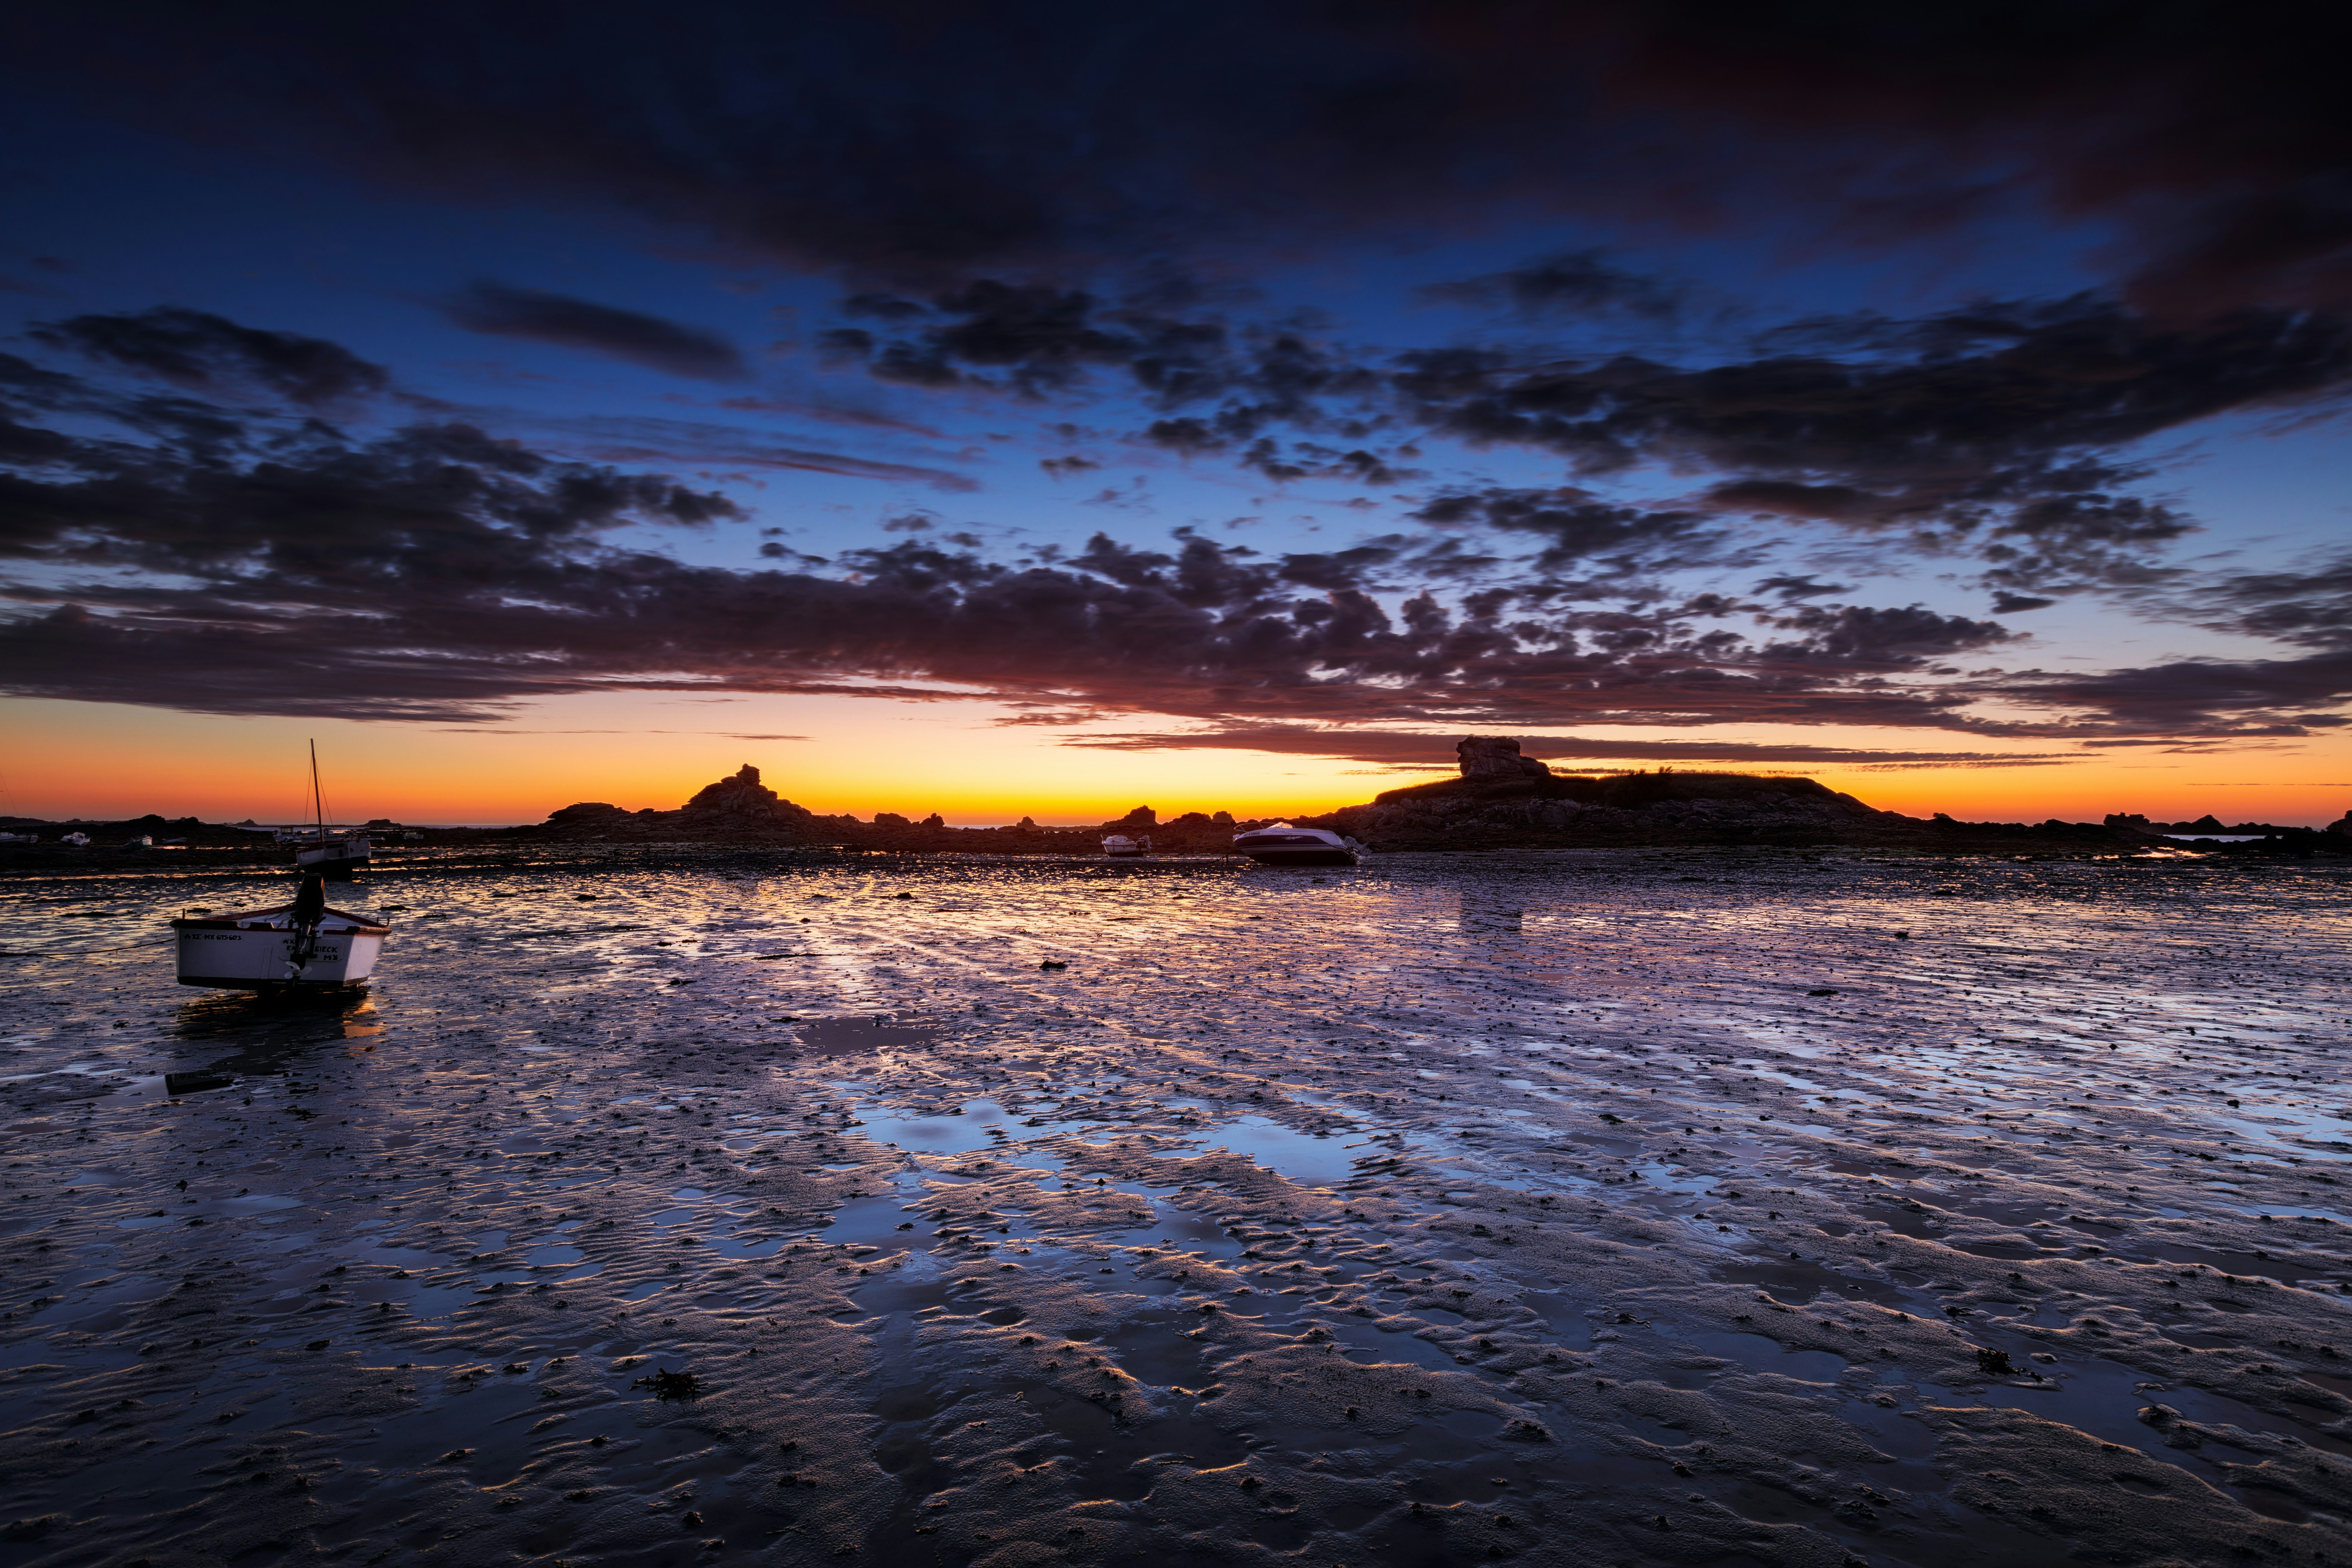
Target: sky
(1044, 409)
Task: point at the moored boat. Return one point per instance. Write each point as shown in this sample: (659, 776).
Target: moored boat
(303, 945)
(1120, 845)
(335, 858)
(1283, 844)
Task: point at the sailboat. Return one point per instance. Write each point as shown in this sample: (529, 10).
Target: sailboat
(329, 857)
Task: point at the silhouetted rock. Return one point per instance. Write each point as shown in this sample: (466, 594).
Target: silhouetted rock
(1503, 797)
(1496, 757)
(735, 809)
(740, 799)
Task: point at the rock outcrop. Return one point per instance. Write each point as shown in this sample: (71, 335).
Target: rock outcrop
(738, 808)
(741, 809)
(740, 800)
(1503, 798)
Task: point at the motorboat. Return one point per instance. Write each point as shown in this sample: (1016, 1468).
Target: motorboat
(1119, 844)
(301, 946)
(1283, 844)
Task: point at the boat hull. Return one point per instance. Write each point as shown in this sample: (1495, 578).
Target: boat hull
(257, 959)
(1301, 857)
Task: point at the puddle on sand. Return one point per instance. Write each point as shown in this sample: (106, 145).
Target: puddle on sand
(1371, 1344)
(1762, 1354)
(962, 1127)
(1309, 1159)
(846, 1036)
(1797, 1282)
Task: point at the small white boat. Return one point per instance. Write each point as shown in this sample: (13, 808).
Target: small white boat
(1283, 844)
(303, 945)
(77, 840)
(335, 857)
(1120, 845)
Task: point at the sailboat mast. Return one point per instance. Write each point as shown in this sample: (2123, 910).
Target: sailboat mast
(318, 802)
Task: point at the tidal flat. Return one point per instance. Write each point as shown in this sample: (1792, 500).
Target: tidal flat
(1582, 1208)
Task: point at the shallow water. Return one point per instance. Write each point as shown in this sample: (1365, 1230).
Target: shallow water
(1552, 1208)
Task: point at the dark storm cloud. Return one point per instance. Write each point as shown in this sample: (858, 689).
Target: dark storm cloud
(1392, 748)
(639, 438)
(1880, 638)
(502, 311)
(1794, 587)
(2310, 608)
(1988, 431)
(1579, 282)
(1580, 530)
(1883, 438)
(1034, 339)
(934, 140)
(323, 516)
(2188, 697)
(439, 571)
(198, 350)
(238, 562)
(1996, 446)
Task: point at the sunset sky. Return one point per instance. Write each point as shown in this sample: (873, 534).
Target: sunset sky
(1043, 409)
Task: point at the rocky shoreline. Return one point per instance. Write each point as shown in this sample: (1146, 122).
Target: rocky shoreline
(1501, 799)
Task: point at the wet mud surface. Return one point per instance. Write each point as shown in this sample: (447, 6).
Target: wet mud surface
(1589, 1207)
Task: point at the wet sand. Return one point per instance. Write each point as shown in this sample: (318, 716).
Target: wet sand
(1585, 1207)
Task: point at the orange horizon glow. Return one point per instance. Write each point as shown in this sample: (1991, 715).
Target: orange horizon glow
(107, 762)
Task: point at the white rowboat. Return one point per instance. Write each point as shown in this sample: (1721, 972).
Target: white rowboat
(255, 949)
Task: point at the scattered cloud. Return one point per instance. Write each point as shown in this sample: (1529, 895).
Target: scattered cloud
(1425, 752)
(1575, 282)
(503, 311)
(204, 352)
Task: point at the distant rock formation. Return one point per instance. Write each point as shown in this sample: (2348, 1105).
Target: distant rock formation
(1500, 799)
(740, 800)
(1496, 757)
(741, 809)
(1503, 797)
(738, 808)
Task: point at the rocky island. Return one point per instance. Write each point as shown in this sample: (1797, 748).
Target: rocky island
(1500, 799)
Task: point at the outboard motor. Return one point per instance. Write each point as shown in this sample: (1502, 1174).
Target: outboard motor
(309, 908)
